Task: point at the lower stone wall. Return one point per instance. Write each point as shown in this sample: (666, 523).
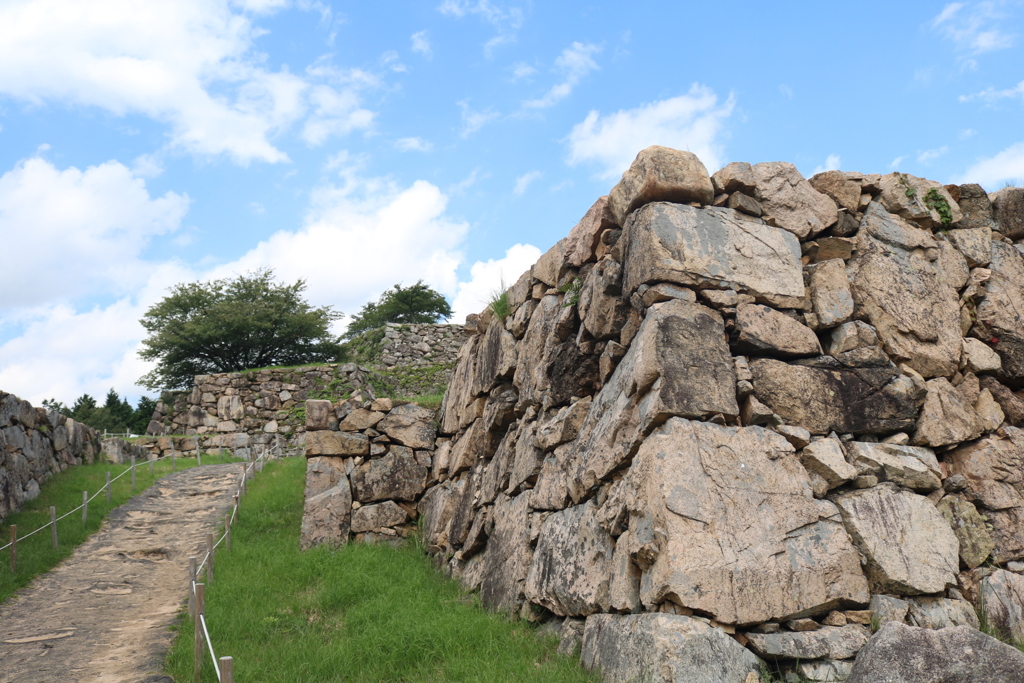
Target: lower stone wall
(35, 444)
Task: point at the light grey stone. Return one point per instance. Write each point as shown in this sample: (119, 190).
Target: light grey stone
(660, 174)
(791, 201)
(831, 642)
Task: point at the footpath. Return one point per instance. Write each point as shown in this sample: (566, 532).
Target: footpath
(104, 614)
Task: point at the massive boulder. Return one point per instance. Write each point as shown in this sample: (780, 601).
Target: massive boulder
(1000, 319)
(729, 527)
(712, 249)
(508, 556)
(908, 197)
(791, 201)
(660, 174)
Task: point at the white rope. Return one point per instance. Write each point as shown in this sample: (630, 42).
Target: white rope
(209, 644)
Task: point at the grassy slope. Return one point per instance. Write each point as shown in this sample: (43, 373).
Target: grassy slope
(363, 613)
(64, 490)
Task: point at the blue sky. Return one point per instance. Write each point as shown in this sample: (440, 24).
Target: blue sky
(358, 145)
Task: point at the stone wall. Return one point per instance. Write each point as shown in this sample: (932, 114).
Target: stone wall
(733, 419)
(414, 346)
(35, 444)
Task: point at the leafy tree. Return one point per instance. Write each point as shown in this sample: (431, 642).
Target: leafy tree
(415, 304)
(250, 321)
(142, 415)
(115, 415)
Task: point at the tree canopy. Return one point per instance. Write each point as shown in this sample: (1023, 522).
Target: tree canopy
(115, 415)
(417, 303)
(227, 325)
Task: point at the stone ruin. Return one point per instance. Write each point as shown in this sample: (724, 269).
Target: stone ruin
(729, 421)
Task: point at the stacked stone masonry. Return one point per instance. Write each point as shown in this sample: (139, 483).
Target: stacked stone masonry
(416, 346)
(36, 443)
(728, 420)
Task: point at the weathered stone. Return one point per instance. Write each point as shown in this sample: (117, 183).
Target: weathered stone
(436, 508)
(744, 204)
(899, 288)
(994, 470)
(663, 648)
(665, 291)
(395, 476)
(692, 486)
(842, 189)
(829, 248)
(765, 331)
(1001, 598)
(832, 642)
(527, 458)
(905, 195)
(827, 396)
(886, 608)
(602, 309)
(926, 558)
(898, 653)
(976, 207)
(946, 417)
(336, 443)
(572, 563)
(318, 414)
(804, 624)
(712, 248)
(551, 491)
(831, 300)
(824, 670)
(508, 556)
(826, 459)
(326, 517)
(538, 345)
(979, 358)
(230, 408)
(791, 201)
(581, 244)
(735, 177)
(551, 265)
(798, 436)
(914, 468)
(360, 419)
(1008, 208)
(754, 412)
(472, 446)
(1013, 407)
(660, 174)
(678, 364)
(495, 360)
(376, 517)
(851, 336)
(975, 245)
(1000, 319)
(990, 414)
(323, 473)
(410, 425)
(565, 426)
(936, 613)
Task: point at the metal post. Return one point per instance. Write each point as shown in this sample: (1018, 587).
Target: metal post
(199, 457)
(133, 474)
(191, 592)
(14, 548)
(209, 559)
(53, 526)
(174, 464)
(85, 507)
(227, 670)
(227, 533)
(108, 487)
(197, 652)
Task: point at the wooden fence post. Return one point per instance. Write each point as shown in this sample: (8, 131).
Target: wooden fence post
(238, 504)
(133, 474)
(151, 463)
(197, 652)
(199, 456)
(174, 464)
(53, 526)
(227, 533)
(192, 561)
(227, 670)
(14, 548)
(108, 487)
(85, 507)
(209, 559)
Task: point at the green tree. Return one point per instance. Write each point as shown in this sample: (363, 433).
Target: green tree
(250, 321)
(415, 304)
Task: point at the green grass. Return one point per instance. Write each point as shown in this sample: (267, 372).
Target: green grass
(362, 613)
(498, 302)
(36, 555)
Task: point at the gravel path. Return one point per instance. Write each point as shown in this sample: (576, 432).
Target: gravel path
(104, 613)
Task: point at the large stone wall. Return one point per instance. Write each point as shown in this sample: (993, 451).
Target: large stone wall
(731, 419)
(35, 444)
(412, 346)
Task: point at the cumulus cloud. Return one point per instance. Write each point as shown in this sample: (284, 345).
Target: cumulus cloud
(1007, 165)
(973, 27)
(70, 233)
(521, 70)
(421, 44)
(473, 120)
(929, 155)
(523, 182)
(488, 277)
(190, 64)
(831, 164)
(575, 62)
(507, 19)
(991, 95)
(413, 145)
(692, 122)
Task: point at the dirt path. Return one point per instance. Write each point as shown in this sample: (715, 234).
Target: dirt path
(104, 613)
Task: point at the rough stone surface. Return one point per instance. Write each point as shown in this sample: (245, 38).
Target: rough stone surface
(396, 476)
(376, 517)
(581, 244)
(508, 556)
(831, 642)
(976, 207)
(1000, 317)
(765, 331)
(831, 300)
(327, 516)
(660, 174)
(841, 188)
(791, 201)
(946, 417)
(572, 563)
(336, 443)
(1008, 208)
(1002, 595)
(926, 558)
(898, 653)
(663, 648)
(979, 357)
(735, 177)
(696, 483)
(976, 543)
(936, 613)
(908, 466)
(410, 425)
(826, 459)
(913, 207)
(975, 245)
(712, 248)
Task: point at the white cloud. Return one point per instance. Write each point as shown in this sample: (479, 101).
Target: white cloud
(421, 44)
(336, 113)
(974, 28)
(991, 95)
(487, 278)
(967, 133)
(413, 145)
(931, 154)
(575, 62)
(1008, 165)
(786, 90)
(523, 182)
(692, 122)
(70, 233)
(391, 61)
(473, 120)
(521, 70)
(831, 164)
(506, 19)
(475, 176)
(897, 161)
(190, 64)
